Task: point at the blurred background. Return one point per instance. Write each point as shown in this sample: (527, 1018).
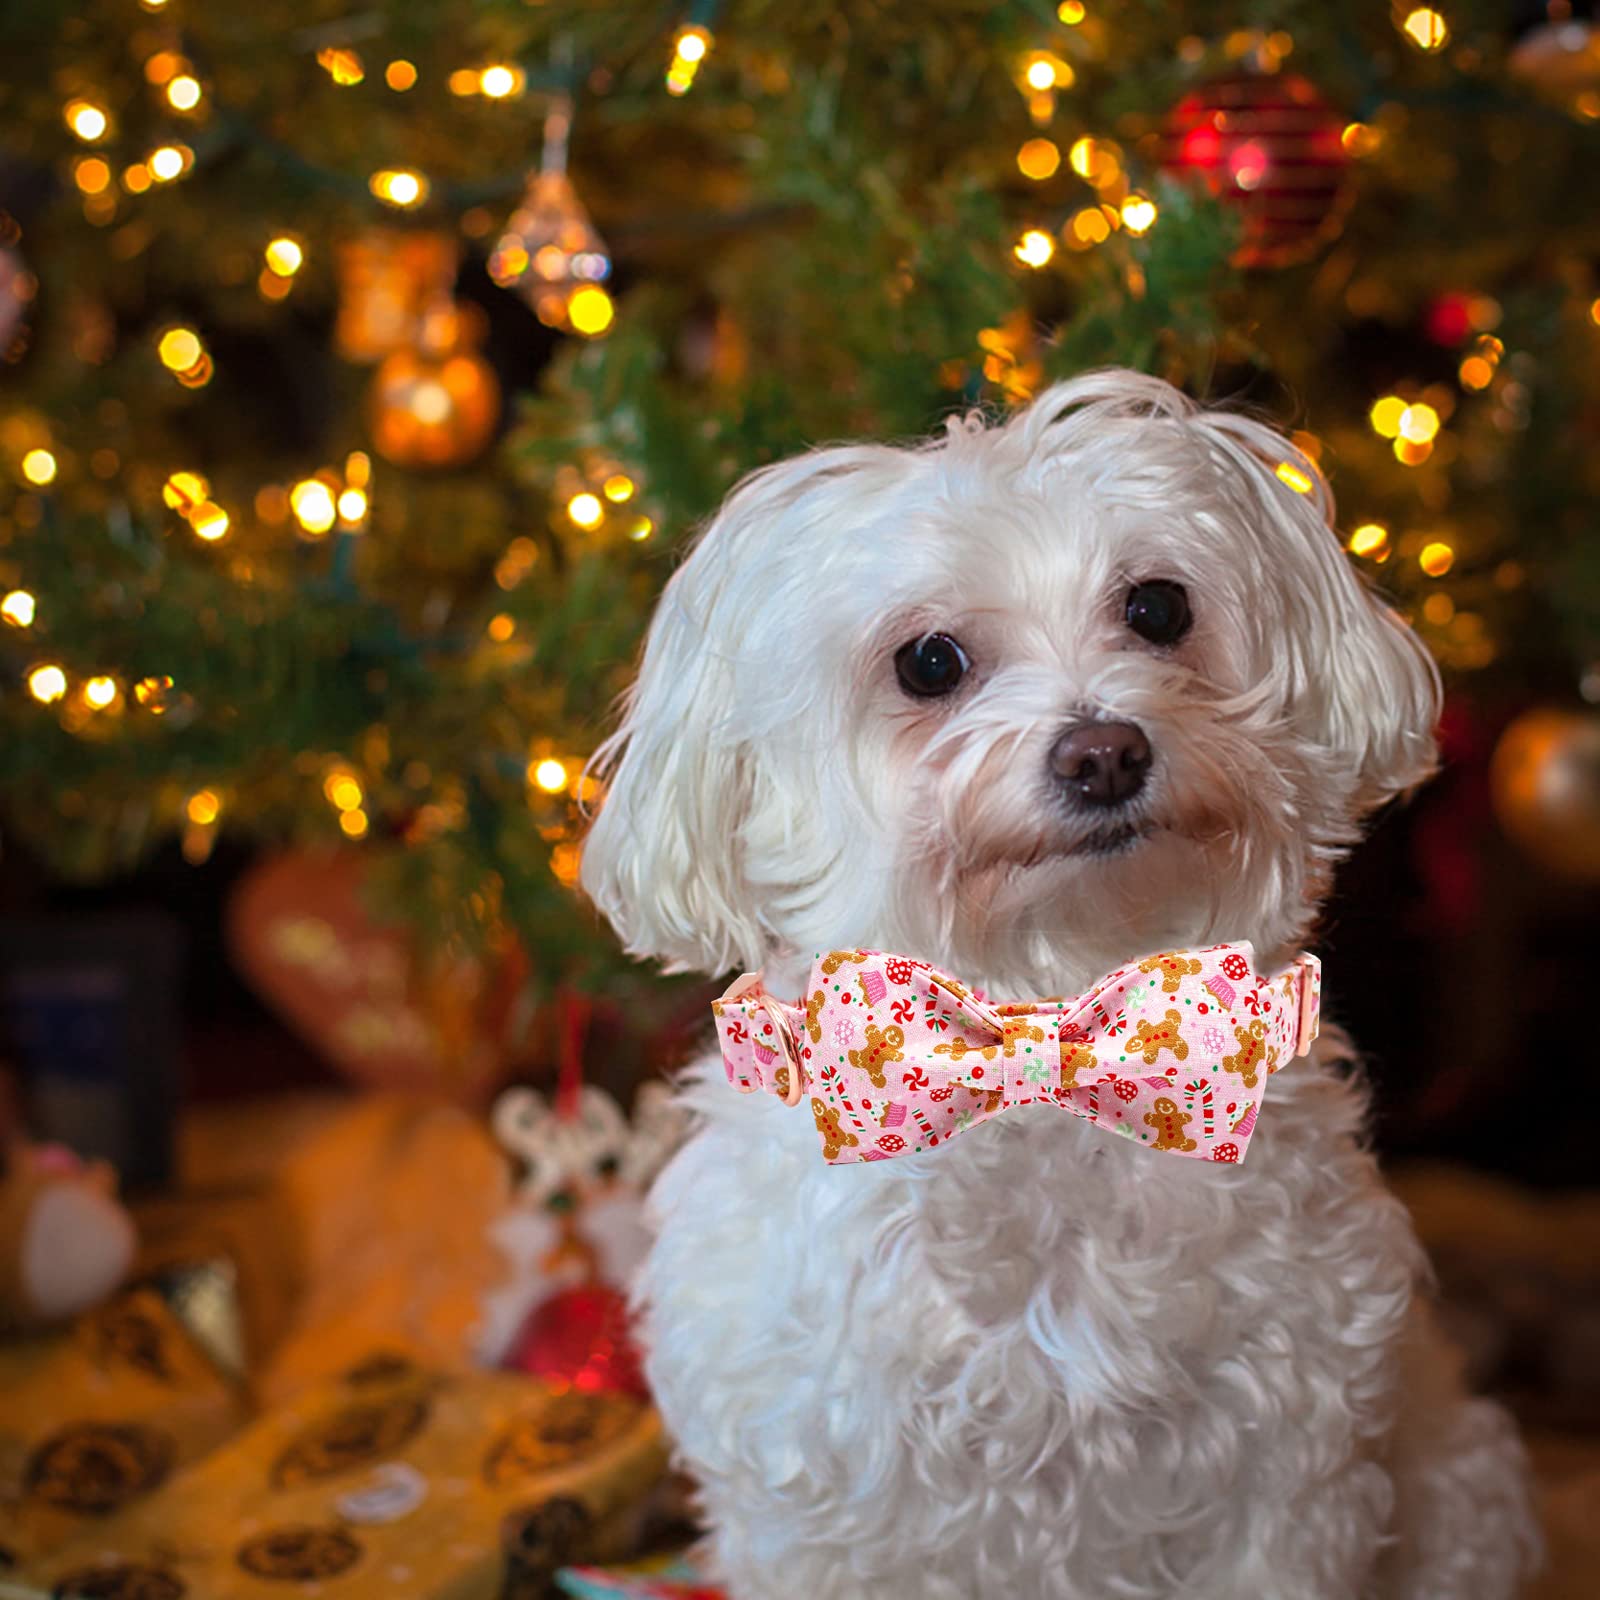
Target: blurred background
(363, 366)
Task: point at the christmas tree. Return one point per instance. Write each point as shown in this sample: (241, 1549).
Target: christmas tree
(367, 367)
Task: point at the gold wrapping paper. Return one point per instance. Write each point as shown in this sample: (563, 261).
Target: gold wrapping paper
(393, 1481)
(97, 1415)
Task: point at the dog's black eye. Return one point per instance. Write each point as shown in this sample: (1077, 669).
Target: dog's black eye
(930, 666)
(1158, 610)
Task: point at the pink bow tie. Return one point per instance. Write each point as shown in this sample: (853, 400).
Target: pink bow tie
(1172, 1051)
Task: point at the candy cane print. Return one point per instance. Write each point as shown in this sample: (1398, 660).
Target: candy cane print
(1202, 1088)
(918, 1117)
(855, 1116)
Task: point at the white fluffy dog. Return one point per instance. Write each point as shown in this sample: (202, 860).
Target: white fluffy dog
(1025, 702)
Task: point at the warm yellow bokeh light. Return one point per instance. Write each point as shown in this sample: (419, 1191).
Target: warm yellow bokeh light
(180, 349)
(1043, 71)
(565, 860)
(1360, 139)
(204, 807)
(1476, 373)
(1436, 558)
(343, 790)
(166, 162)
(183, 93)
(641, 528)
(18, 608)
(1426, 29)
(1418, 423)
(39, 467)
(311, 500)
(352, 505)
(1090, 226)
(550, 775)
(284, 257)
(1369, 539)
(400, 75)
(1386, 414)
(136, 178)
(92, 175)
(47, 683)
(1072, 12)
(342, 65)
(498, 81)
(353, 824)
(209, 521)
(87, 120)
(1039, 159)
(618, 488)
(99, 692)
(1438, 609)
(590, 310)
(184, 490)
(1138, 213)
(586, 510)
(1292, 475)
(502, 625)
(399, 186)
(692, 44)
(1035, 248)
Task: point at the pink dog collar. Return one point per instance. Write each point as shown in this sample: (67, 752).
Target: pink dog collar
(1172, 1051)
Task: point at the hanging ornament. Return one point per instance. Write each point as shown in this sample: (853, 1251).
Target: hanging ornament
(1559, 60)
(551, 253)
(1545, 781)
(389, 279)
(376, 1007)
(1269, 145)
(578, 1233)
(435, 405)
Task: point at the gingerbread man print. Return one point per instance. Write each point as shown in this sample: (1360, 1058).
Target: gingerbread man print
(835, 1136)
(1154, 1037)
(1169, 1123)
(814, 1015)
(1247, 1058)
(1075, 1058)
(837, 958)
(1173, 970)
(883, 1046)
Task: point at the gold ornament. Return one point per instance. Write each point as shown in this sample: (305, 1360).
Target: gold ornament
(550, 252)
(1560, 61)
(389, 279)
(436, 405)
(1545, 780)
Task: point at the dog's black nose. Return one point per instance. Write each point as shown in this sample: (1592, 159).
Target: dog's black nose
(1101, 763)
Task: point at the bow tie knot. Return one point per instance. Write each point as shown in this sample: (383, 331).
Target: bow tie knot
(1171, 1051)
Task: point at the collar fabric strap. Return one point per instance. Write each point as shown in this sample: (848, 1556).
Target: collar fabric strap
(1172, 1051)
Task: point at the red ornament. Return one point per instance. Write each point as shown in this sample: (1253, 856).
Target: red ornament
(581, 1337)
(1449, 319)
(1271, 146)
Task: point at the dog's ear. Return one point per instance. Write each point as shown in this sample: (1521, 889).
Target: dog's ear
(1362, 684)
(698, 777)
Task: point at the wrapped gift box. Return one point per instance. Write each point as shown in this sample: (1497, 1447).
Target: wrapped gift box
(395, 1480)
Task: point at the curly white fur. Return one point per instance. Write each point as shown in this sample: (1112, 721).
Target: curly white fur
(1039, 1362)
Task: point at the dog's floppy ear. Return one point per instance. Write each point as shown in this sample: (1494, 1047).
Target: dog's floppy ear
(696, 776)
(1362, 683)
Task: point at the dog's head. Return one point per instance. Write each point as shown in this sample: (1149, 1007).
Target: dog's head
(1024, 700)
